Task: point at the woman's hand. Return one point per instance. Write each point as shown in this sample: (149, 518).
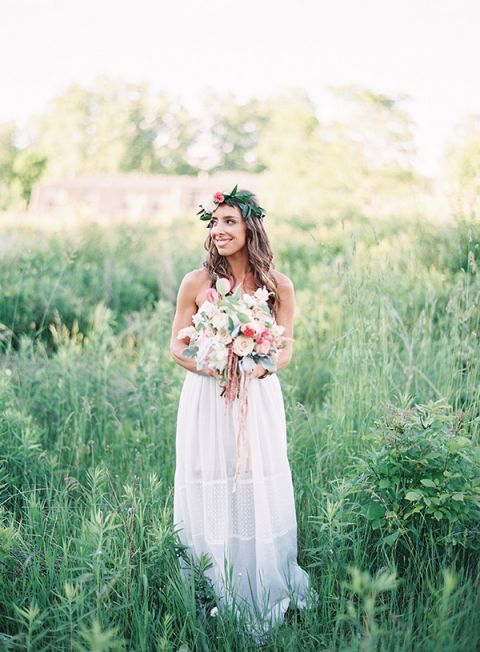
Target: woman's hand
(210, 372)
(259, 371)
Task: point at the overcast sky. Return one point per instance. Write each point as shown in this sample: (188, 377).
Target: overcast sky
(426, 49)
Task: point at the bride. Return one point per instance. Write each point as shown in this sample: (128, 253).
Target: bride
(250, 534)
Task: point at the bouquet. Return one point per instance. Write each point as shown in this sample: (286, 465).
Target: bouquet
(233, 334)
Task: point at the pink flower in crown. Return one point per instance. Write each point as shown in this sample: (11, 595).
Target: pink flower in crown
(212, 295)
(218, 197)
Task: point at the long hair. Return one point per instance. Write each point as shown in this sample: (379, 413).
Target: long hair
(260, 257)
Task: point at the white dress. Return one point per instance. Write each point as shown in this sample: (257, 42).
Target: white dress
(250, 535)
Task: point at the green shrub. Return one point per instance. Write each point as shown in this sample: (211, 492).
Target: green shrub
(423, 479)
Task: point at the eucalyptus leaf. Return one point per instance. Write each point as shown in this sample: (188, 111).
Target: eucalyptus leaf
(190, 351)
(267, 363)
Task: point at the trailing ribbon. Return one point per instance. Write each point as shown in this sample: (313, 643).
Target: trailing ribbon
(237, 385)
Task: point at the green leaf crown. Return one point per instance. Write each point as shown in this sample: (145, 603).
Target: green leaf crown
(240, 198)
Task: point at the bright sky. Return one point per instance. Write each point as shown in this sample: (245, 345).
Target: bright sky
(427, 49)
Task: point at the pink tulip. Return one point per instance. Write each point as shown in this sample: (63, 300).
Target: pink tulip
(212, 295)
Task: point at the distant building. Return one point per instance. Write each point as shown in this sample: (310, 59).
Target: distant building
(135, 195)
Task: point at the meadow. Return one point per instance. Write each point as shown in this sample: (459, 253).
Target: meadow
(383, 411)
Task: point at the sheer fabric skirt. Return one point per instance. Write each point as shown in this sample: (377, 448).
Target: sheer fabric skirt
(250, 535)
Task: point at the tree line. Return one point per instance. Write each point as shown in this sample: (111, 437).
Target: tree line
(117, 126)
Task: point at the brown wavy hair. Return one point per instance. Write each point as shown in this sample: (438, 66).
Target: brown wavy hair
(260, 256)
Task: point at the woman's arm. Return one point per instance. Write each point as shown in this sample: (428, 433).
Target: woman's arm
(186, 308)
(285, 316)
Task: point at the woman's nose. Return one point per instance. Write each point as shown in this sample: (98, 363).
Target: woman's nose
(217, 228)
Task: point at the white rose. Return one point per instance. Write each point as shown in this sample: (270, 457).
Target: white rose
(220, 320)
(203, 353)
(223, 336)
(262, 294)
(243, 345)
(207, 308)
(248, 300)
(188, 331)
(220, 357)
(277, 330)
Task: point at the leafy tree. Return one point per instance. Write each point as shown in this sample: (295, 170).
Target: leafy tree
(343, 164)
(234, 129)
(115, 126)
(461, 167)
(8, 152)
(20, 168)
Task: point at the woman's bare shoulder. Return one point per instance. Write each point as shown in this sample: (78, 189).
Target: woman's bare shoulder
(196, 278)
(283, 282)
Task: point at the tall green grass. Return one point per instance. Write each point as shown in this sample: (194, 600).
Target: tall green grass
(387, 314)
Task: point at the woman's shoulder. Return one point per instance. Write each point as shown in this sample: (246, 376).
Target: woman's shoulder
(284, 284)
(195, 278)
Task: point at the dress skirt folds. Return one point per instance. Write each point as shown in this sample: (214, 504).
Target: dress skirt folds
(250, 534)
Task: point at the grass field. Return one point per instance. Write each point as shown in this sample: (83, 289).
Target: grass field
(383, 412)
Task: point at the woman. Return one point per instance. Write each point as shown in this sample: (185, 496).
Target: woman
(251, 534)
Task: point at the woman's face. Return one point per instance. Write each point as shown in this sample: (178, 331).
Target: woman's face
(228, 230)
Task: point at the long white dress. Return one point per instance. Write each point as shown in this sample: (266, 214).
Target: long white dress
(250, 535)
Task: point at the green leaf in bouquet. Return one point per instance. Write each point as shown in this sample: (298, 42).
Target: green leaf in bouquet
(267, 362)
(235, 331)
(236, 294)
(245, 319)
(190, 351)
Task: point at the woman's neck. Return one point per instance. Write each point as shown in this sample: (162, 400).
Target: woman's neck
(240, 267)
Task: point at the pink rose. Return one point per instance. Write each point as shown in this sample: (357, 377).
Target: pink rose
(262, 347)
(242, 345)
(265, 333)
(248, 330)
(223, 286)
(218, 197)
(212, 295)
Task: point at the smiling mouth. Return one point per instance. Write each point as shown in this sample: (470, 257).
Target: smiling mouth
(223, 242)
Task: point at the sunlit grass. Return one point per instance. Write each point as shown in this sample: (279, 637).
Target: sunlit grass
(387, 313)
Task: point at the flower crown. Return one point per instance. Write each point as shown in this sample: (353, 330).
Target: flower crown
(238, 197)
